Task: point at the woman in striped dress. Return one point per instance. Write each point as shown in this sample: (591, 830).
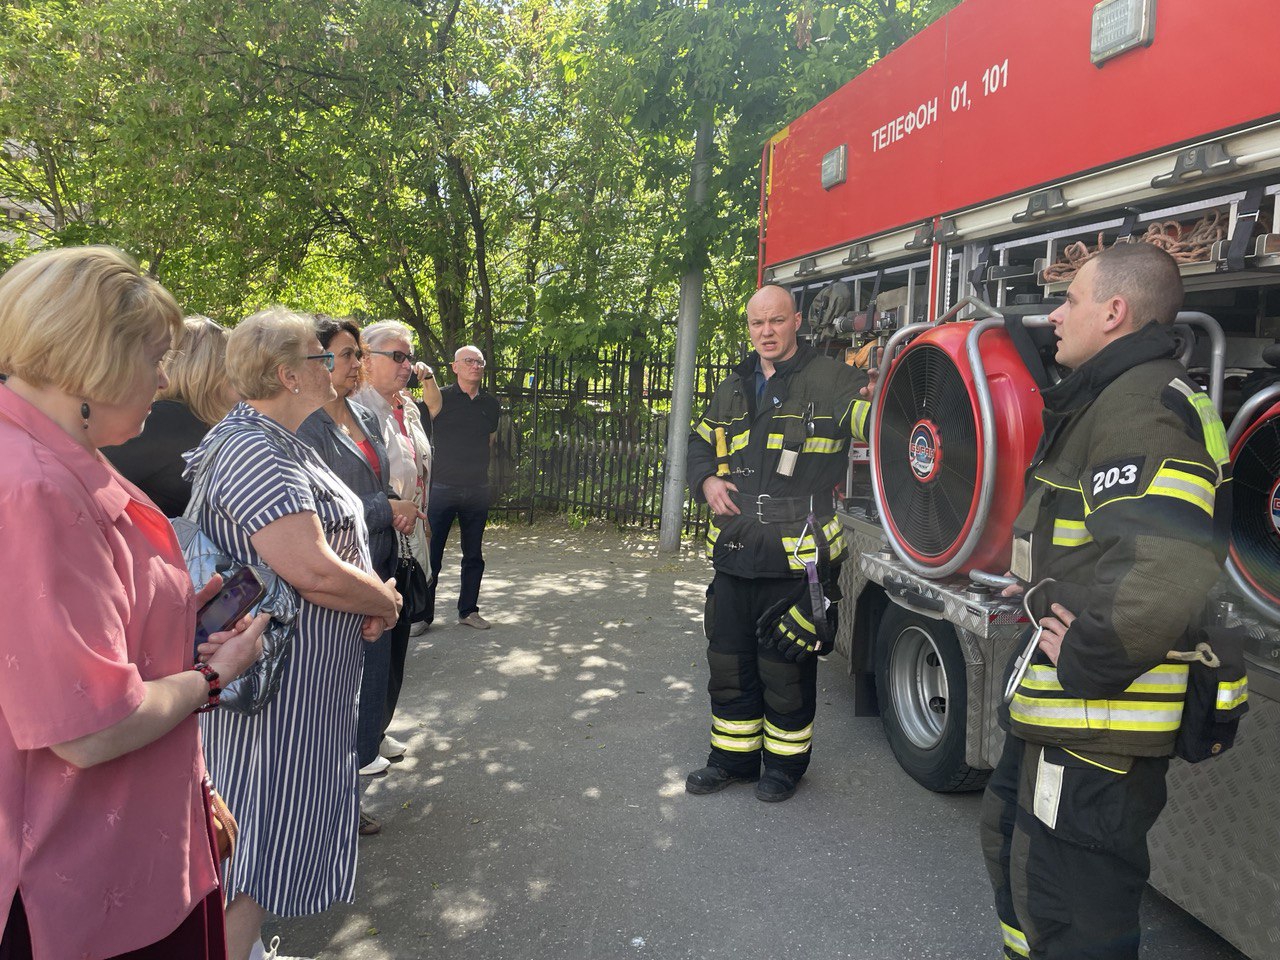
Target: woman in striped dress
(289, 772)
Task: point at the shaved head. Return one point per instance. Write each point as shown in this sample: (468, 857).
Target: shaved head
(772, 297)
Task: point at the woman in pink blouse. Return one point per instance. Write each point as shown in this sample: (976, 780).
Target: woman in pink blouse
(105, 839)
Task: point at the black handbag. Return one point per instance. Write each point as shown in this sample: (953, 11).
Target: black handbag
(257, 686)
(411, 583)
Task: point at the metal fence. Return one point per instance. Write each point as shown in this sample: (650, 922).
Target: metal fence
(587, 436)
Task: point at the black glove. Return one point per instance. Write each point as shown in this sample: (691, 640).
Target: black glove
(789, 626)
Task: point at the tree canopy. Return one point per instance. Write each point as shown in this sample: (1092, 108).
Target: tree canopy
(507, 174)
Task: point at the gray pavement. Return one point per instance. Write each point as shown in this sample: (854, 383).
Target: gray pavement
(541, 810)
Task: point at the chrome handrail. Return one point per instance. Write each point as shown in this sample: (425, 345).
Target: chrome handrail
(1218, 350)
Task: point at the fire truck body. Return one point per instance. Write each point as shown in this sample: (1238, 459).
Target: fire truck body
(964, 177)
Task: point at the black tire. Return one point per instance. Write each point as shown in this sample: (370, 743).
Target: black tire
(920, 683)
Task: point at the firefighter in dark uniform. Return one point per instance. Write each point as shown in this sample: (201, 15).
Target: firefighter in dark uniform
(766, 457)
(1120, 538)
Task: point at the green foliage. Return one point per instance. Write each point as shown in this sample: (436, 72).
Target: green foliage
(513, 175)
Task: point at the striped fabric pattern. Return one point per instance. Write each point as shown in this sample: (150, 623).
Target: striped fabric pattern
(289, 773)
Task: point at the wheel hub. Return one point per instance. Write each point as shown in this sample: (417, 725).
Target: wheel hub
(919, 687)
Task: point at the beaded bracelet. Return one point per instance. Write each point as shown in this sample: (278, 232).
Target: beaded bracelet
(215, 686)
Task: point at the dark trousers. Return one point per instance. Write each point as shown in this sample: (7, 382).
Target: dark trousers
(762, 706)
(470, 507)
(380, 688)
(1070, 888)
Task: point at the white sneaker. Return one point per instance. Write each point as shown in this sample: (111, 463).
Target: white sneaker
(274, 954)
(474, 619)
(390, 748)
(418, 628)
(375, 766)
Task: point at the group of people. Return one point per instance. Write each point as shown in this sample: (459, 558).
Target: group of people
(1122, 535)
(315, 462)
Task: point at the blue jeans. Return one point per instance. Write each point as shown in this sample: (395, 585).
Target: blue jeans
(470, 507)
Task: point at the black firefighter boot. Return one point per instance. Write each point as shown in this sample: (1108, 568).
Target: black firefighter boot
(713, 779)
(776, 786)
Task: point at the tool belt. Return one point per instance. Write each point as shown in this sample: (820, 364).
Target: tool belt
(770, 509)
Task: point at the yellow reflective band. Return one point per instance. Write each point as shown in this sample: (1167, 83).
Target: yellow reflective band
(1166, 678)
(703, 430)
(1170, 678)
(1015, 940)
(822, 445)
(858, 422)
(736, 744)
(784, 749)
(834, 533)
(1181, 485)
(1232, 693)
(1095, 763)
(1070, 533)
(737, 726)
(777, 733)
(774, 442)
(800, 619)
(713, 534)
(1134, 716)
(1056, 486)
(739, 441)
(1215, 436)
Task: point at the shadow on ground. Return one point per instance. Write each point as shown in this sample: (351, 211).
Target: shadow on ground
(540, 812)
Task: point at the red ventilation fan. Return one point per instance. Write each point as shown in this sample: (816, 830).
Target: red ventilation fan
(929, 464)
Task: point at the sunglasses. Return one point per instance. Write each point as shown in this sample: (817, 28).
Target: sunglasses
(325, 358)
(397, 356)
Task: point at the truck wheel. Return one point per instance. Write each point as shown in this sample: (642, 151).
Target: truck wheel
(920, 682)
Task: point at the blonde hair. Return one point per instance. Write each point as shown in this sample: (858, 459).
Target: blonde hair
(198, 371)
(261, 344)
(79, 319)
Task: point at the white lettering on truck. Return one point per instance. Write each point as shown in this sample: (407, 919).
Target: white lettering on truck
(905, 125)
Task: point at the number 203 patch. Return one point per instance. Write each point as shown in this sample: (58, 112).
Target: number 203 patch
(1118, 478)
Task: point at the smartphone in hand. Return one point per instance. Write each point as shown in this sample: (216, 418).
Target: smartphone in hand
(238, 595)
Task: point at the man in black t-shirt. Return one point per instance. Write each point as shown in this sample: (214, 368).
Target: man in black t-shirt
(463, 429)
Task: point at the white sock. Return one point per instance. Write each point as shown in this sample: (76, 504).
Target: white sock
(258, 950)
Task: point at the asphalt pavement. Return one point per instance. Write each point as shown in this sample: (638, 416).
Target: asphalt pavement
(541, 813)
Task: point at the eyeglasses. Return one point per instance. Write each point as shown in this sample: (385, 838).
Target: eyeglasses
(398, 356)
(325, 358)
(472, 362)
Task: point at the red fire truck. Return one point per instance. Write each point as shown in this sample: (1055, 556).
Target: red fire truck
(927, 215)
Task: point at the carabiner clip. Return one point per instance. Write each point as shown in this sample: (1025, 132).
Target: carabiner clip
(807, 528)
(1023, 663)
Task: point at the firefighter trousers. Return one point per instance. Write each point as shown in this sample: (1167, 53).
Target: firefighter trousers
(762, 705)
(1065, 842)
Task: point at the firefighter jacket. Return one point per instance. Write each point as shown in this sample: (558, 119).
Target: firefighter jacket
(1127, 510)
(808, 411)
